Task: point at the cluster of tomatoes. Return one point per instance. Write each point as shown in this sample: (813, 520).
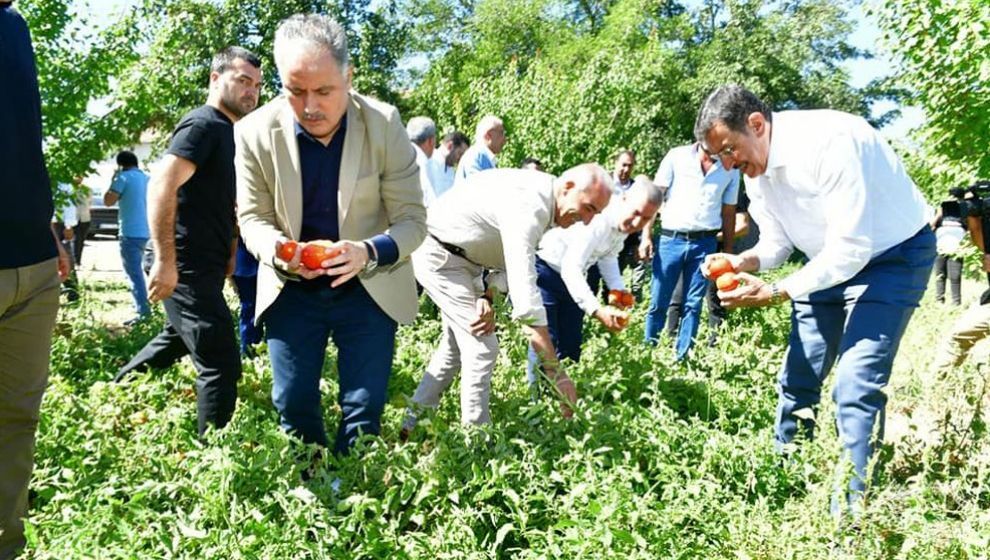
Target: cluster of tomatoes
(720, 270)
(313, 253)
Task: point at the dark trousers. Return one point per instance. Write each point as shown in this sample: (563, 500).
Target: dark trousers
(198, 323)
(951, 268)
(564, 318)
(716, 313)
(855, 326)
(247, 293)
(82, 230)
(297, 327)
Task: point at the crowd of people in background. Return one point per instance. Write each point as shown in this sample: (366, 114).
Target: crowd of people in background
(327, 211)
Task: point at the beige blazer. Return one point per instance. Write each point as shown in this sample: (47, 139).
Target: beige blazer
(379, 192)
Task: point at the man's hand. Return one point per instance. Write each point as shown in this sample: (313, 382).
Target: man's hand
(986, 262)
(645, 251)
(734, 260)
(613, 319)
(752, 292)
(64, 263)
(349, 263)
(163, 278)
(485, 323)
(566, 391)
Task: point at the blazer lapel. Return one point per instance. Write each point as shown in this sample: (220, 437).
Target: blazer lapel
(351, 160)
(288, 185)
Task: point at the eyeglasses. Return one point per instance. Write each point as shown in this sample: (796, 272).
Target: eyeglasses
(728, 151)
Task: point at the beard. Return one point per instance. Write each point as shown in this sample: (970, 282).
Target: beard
(234, 106)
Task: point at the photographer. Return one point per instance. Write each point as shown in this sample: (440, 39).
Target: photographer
(974, 324)
(949, 232)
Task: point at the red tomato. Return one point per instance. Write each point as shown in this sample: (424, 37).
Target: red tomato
(287, 250)
(315, 252)
(620, 299)
(727, 282)
(718, 267)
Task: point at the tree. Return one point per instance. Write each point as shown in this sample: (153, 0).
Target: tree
(943, 50)
(572, 92)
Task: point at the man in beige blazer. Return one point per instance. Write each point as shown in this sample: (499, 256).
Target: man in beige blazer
(322, 162)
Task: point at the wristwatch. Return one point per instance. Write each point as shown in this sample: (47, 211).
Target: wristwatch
(372, 263)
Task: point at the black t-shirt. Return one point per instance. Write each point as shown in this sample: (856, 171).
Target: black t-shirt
(205, 221)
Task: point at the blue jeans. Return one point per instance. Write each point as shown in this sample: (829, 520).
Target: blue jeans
(131, 253)
(564, 318)
(857, 326)
(676, 259)
(247, 293)
(297, 327)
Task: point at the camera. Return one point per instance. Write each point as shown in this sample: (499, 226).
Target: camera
(973, 201)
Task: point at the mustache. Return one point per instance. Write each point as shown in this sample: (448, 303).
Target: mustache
(315, 116)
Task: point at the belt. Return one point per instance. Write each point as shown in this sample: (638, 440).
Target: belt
(689, 235)
(450, 247)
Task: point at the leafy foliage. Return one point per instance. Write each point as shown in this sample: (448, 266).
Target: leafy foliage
(944, 54)
(661, 461)
(576, 82)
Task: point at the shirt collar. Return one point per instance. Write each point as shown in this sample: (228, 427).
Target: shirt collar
(301, 132)
(777, 156)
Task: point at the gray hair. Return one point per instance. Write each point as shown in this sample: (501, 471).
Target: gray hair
(730, 105)
(486, 125)
(421, 129)
(318, 30)
(643, 185)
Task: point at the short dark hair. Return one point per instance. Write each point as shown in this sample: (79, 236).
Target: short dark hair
(532, 161)
(623, 152)
(126, 158)
(456, 138)
(226, 57)
(730, 105)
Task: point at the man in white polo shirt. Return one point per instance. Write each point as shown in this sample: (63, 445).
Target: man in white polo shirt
(700, 202)
(826, 183)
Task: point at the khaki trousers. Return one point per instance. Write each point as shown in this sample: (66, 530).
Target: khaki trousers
(28, 307)
(455, 284)
(972, 327)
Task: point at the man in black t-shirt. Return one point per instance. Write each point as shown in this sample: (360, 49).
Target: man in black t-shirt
(193, 227)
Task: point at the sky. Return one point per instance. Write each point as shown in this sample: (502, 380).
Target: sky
(865, 36)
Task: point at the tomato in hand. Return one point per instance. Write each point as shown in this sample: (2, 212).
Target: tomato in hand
(727, 282)
(620, 299)
(719, 266)
(315, 252)
(288, 250)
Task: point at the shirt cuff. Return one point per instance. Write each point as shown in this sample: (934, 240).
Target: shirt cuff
(387, 249)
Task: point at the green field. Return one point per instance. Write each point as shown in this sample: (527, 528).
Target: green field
(660, 461)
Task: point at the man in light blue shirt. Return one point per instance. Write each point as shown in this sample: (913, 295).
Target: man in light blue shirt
(130, 188)
(700, 202)
(489, 139)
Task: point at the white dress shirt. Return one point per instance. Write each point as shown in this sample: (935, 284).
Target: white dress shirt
(834, 189)
(572, 251)
(441, 176)
(498, 218)
(425, 182)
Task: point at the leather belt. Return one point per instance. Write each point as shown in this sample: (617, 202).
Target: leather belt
(689, 235)
(454, 249)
